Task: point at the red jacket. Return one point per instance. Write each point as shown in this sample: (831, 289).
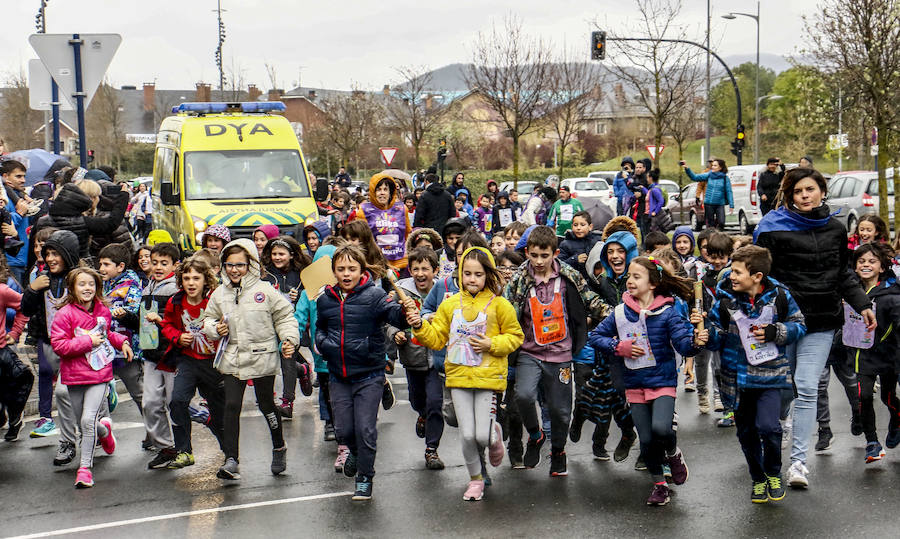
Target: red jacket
(73, 349)
(172, 327)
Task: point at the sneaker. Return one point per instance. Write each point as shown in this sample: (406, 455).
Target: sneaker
(279, 460)
(703, 403)
(64, 454)
(558, 464)
(487, 478)
(726, 421)
(824, 441)
(420, 426)
(855, 425)
(363, 489)
(667, 473)
(350, 464)
(108, 442)
(774, 489)
(533, 451)
(474, 491)
(624, 446)
(678, 466)
(690, 385)
(893, 439)
(575, 427)
(759, 493)
(183, 460)
(675, 422)
(329, 432)
(874, 452)
(796, 475)
(343, 452)
(112, 397)
(659, 495)
(199, 415)
(44, 427)
(162, 459)
(84, 478)
(12, 433)
(387, 395)
(286, 409)
(496, 450)
(229, 470)
(599, 452)
(516, 462)
(717, 404)
(147, 445)
(432, 460)
(304, 376)
(639, 465)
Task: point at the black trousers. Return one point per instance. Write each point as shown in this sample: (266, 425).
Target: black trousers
(265, 400)
(196, 375)
(759, 431)
(866, 384)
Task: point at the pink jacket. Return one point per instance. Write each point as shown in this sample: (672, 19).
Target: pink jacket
(10, 299)
(74, 368)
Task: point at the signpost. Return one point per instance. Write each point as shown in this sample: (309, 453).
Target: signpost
(77, 63)
(387, 155)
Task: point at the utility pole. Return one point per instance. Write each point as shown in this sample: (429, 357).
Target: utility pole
(219, 11)
(840, 130)
(706, 121)
(41, 27)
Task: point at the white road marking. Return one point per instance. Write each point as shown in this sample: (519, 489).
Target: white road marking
(134, 521)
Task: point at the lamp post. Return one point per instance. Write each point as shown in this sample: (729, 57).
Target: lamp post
(733, 15)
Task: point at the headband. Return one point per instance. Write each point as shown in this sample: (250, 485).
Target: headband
(280, 243)
(658, 265)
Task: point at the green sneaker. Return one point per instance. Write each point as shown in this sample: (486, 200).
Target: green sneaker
(183, 460)
(112, 397)
(775, 490)
(758, 495)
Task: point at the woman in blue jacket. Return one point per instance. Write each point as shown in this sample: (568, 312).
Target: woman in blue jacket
(718, 192)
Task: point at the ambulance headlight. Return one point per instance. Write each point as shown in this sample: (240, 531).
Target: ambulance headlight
(199, 224)
(311, 220)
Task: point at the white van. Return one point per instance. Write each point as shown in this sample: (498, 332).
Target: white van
(746, 213)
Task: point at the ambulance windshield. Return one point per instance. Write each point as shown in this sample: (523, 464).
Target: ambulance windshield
(238, 174)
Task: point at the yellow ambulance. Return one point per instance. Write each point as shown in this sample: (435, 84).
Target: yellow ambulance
(234, 164)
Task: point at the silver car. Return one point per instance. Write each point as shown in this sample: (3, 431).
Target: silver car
(856, 194)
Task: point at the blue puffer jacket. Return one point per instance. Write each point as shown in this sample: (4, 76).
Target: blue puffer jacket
(306, 313)
(666, 329)
(723, 335)
(718, 187)
(442, 289)
(349, 331)
(620, 183)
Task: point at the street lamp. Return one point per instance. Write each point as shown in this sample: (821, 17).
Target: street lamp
(732, 16)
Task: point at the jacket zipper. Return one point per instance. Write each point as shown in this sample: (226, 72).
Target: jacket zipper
(343, 362)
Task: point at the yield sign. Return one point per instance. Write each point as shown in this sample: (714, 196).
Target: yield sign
(57, 54)
(653, 151)
(387, 154)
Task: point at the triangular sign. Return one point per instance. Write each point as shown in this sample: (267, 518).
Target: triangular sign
(387, 154)
(58, 55)
(652, 150)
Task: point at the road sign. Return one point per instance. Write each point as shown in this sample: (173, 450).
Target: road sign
(39, 92)
(56, 53)
(838, 141)
(652, 150)
(873, 150)
(387, 155)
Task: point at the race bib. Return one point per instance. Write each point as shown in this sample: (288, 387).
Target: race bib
(855, 334)
(102, 354)
(50, 308)
(223, 344)
(506, 217)
(566, 212)
(637, 333)
(755, 351)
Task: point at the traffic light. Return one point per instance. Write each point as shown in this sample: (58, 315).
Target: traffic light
(90, 158)
(736, 147)
(442, 150)
(598, 45)
(740, 139)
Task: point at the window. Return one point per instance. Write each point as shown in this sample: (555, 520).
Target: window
(873, 187)
(600, 128)
(163, 167)
(834, 190)
(228, 174)
(591, 185)
(847, 187)
(644, 126)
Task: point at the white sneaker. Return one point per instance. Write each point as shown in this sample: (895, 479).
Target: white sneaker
(796, 475)
(717, 404)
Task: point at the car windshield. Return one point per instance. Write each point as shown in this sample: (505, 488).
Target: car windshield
(229, 174)
(591, 185)
(526, 188)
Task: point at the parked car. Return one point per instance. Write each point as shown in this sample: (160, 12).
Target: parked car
(591, 188)
(608, 175)
(855, 194)
(693, 212)
(525, 188)
(672, 191)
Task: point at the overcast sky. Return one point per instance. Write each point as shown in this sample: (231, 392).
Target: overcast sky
(337, 43)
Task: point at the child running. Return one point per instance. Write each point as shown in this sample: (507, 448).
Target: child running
(645, 331)
(81, 335)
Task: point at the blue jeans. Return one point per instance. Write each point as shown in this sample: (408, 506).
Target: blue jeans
(426, 396)
(759, 431)
(355, 406)
(808, 357)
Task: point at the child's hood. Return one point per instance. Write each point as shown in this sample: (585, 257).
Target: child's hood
(64, 242)
(409, 286)
(684, 230)
(656, 307)
(888, 287)
(626, 240)
(594, 257)
(255, 269)
(459, 267)
(618, 222)
(429, 234)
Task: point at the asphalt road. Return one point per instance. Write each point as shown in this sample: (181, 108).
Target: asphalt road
(603, 499)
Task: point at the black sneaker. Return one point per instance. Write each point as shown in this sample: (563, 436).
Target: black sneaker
(892, 439)
(329, 432)
(639, 465)
(774, 489)
(624, 446)
(420, 427)
(304, 376)
(64, 454)
(147, 445)
(12, 433)
(229, 470)
(533, 451)
(387, 395)
(558, 464)
(162, 459)
(279, 460)
(432, 460)
(575, 428)
(824, 441)
(350, 465)
(600, 452)
(516, 461)
(759, 492)
(363, 489)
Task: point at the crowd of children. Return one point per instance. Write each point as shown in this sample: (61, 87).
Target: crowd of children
(505, 330)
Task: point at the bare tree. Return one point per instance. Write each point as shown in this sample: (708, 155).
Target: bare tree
(858, 40)
(272, 75)
(573, 88)
(659, 72)
(684, 125)
(413, 110)
(349, 119)
(510, 70)
(18, 120)
(106, 126)
(235, 76)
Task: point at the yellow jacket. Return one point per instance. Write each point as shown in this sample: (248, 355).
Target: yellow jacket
(502, 328)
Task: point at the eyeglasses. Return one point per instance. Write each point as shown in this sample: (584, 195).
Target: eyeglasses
(507, 268)
(238, 266)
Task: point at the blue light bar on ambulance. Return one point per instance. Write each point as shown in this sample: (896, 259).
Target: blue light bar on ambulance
(219, 108)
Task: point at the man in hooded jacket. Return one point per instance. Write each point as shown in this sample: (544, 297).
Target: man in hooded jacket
(435, 206)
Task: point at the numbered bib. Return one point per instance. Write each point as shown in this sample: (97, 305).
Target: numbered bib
(637, 333)
(459, 350)
(50, 308)
(855, 334)
(102, 354)
(223, 344)
(566, 212)
(506, 216)
(755, 351)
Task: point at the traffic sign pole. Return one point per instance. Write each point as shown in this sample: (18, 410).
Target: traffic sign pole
(76, 43)
(54, 92)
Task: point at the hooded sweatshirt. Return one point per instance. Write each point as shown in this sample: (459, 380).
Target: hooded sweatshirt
(321, 229)
(435, 207)
(447, 260)
(389, 222)
(504, 213)
(684, 230)
(572, 247)
(620, 183)
(611, 286)
(34, 303)
(718, 187)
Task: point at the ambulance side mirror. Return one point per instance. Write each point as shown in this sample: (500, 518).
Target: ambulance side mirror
(321, 189)
(167, 195)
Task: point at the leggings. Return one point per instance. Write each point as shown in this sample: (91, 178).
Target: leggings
(866, 387)
(87, 404)
(653, 420)
(265, 400)
(476, 411)
(132, 375)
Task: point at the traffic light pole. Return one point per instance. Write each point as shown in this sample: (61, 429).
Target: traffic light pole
(739, 147)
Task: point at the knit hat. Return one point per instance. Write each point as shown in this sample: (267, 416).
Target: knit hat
(159, 236)
(216, 231)
(271, 231)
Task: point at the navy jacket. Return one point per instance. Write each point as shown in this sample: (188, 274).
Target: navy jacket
(571, 247)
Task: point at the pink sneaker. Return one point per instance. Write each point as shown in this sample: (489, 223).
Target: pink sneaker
(495, 452)
(84, 478)
(475, 491)
(343, 453)
(108, 442)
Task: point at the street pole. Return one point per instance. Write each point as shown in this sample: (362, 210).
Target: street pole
(840, 130)
(756, 113)
(79, 95)
(706, 123)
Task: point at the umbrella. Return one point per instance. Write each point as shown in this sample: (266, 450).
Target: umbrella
(37, 162)
(600, 212)
(397, 174)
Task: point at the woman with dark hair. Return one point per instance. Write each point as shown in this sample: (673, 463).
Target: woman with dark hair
(718, 191)
(457, 183)
(810, 256)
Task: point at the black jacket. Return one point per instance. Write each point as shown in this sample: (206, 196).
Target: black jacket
(65, 243)
(814, 265)
(435, 207)
(769, 184)
(104, 209)
(882, 357)
(572, 246)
